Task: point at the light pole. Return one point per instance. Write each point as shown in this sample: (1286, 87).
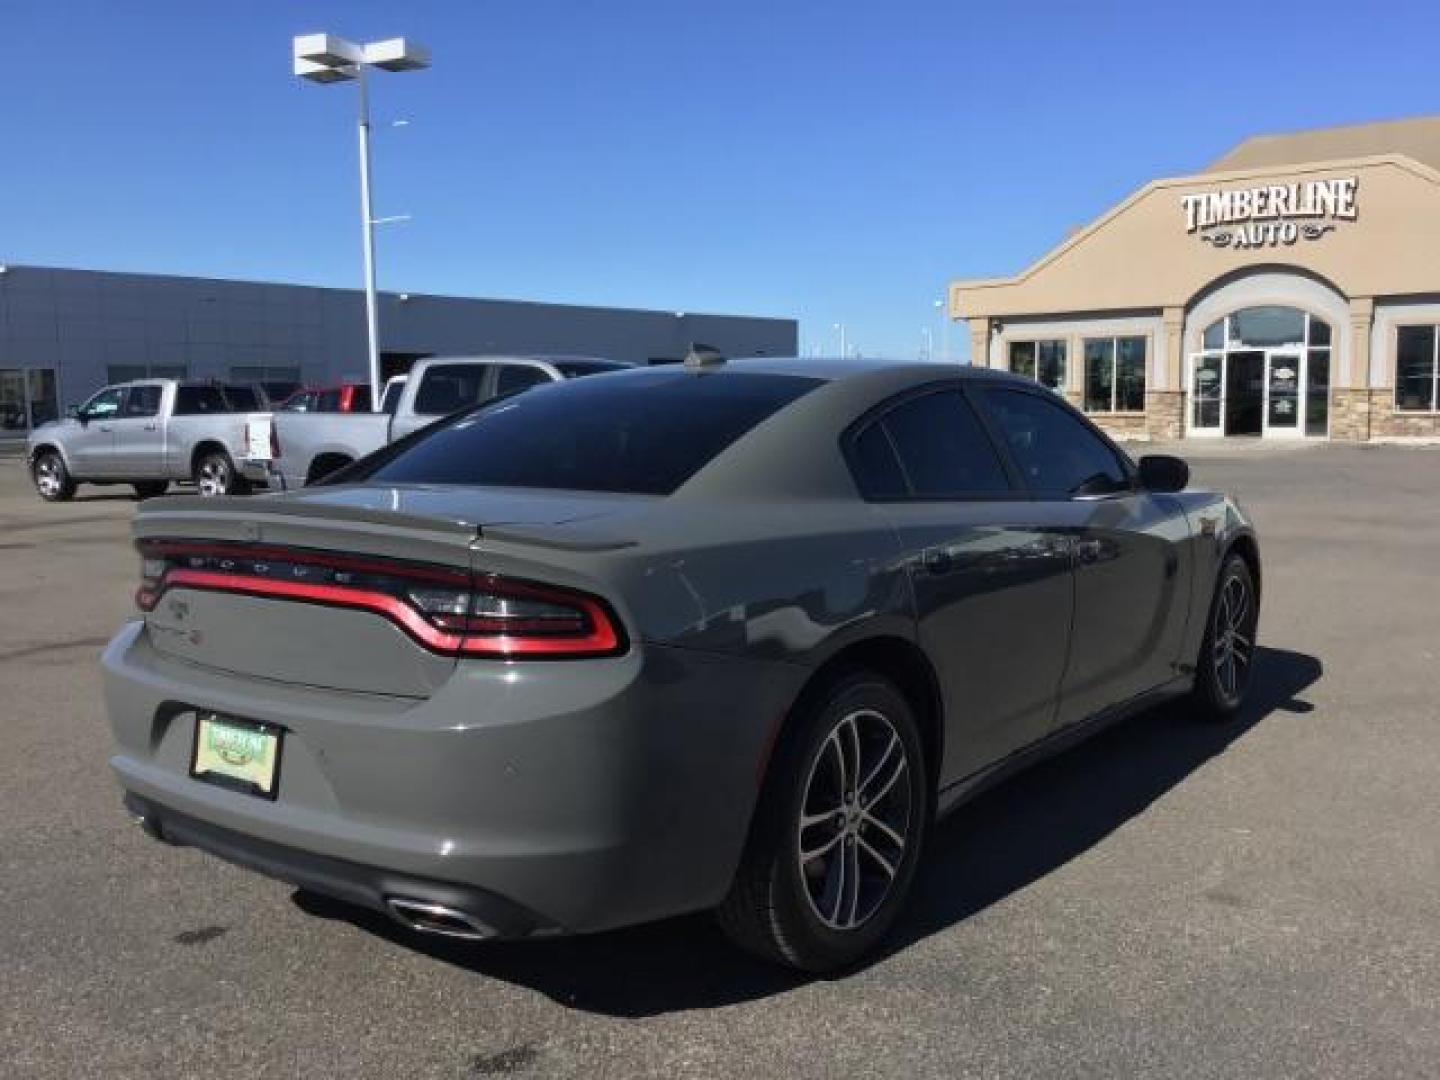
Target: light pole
(929, 343)
(840, 326)
(944, 330)
(322, 58)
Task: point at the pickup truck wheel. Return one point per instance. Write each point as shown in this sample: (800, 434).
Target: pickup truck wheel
(215, 475)
(52, 479)
(150, 489)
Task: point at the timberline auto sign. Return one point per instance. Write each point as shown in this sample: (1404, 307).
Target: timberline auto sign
(1271, 215)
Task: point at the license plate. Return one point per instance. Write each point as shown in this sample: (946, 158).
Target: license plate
(235, 753)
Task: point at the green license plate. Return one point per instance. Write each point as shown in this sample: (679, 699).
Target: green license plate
(234, 753)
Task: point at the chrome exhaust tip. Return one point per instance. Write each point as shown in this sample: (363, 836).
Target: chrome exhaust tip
(427, 918)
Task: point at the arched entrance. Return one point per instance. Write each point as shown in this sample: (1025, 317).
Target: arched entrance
(1262, 370)
(1262, 350)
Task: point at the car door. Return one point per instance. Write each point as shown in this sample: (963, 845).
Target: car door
(139, 444)
(1130, 601)
(90, 447)
(992, 581)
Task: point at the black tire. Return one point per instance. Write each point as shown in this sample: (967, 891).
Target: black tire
(52, 479)
(1225, 667)
(215, 475)
(806, 918)
(150, 489)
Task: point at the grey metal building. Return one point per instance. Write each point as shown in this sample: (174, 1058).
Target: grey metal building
(64, 333)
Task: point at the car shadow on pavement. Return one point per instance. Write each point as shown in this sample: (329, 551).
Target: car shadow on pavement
(990, 848)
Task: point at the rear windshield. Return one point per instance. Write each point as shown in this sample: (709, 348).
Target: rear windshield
(243, 398)
(194, 400)
(645, 434)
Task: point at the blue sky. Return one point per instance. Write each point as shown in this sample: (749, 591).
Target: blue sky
(834, 162)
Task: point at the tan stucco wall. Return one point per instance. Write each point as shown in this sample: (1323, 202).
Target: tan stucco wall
(1140, 256)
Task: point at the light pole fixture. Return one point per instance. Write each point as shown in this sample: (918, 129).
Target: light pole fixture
(323, 58)
(944, 330)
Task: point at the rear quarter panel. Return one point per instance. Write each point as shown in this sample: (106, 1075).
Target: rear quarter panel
(304, 437)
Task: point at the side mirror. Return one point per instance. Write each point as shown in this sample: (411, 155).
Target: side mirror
(1163, 473)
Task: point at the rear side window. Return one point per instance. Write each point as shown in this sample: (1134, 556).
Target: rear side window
(1057, 454)
(574, 369)
(142, 401)
(243, 398)
(447, 388)
(937, 450)
(644, 434)
(196, 400)
(514, 377)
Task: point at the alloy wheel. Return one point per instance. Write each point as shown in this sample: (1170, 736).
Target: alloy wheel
(47, 476)
(213, 477)
(855, 820)
(1233, 638)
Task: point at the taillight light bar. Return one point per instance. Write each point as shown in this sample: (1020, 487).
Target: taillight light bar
(448, 611)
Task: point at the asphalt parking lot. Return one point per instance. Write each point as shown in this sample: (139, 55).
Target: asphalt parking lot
(1169, 900)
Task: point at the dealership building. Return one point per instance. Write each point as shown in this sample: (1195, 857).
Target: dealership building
(1289, 291)
(65, 333)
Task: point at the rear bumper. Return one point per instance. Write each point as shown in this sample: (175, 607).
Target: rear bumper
(370, 887)
(571, 797)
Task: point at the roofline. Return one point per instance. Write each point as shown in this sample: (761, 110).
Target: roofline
(1329, 129)
(394, 294)
(1403, 161)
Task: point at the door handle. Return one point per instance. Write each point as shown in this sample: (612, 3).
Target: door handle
(149, 427)
(106, 427)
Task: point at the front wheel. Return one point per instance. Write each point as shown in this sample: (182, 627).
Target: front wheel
(837, 832)
(1226, 665)
(215, 475)
(52, 480)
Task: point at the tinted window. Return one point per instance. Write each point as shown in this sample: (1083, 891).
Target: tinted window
(1055, 451)
(243, 398)
(449, 387)
(646, 433)
(390, 400)
(360, 399)
(303, 402)
(875, 466)
(142, 401)
(513, 377)
(944, 453)
(328, 400)
(192, 400)
(573, 369)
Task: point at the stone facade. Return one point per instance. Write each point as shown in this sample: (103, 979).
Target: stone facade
(1387, 423)
(1350, 415)
(1165, 414)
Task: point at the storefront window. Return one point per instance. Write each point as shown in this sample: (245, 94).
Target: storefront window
(1115, 374)
(118, 373)
(1417, 372)
(27, 399)
(1043, 361)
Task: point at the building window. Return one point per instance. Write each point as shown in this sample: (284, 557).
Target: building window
(1115, 374)
(1417, 369)
(1043, 361)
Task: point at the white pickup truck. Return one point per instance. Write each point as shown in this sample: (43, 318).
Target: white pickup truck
(151, 432)
(310, 446)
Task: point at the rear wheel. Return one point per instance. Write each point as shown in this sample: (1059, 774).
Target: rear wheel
(52, 480)
(215, 475)
(150, 489)
(1227, 655)
(837, 833)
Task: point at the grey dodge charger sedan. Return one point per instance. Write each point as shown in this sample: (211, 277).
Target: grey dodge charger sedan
(718, 636)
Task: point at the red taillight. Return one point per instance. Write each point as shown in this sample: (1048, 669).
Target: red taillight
(447, 611)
